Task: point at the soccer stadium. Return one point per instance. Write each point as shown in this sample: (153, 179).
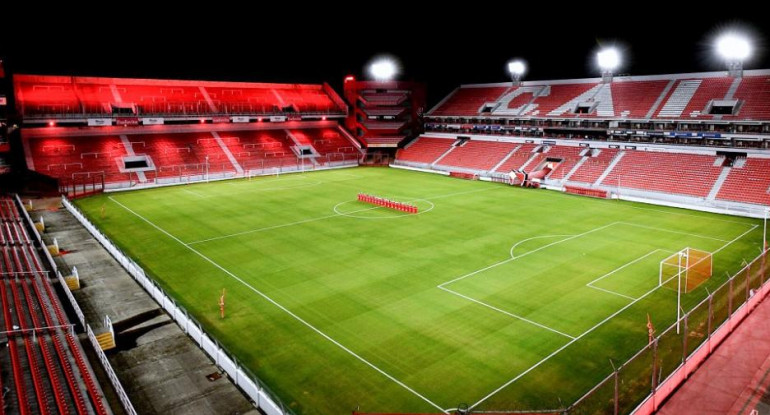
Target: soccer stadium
(569, 245)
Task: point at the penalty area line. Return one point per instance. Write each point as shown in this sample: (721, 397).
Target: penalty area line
(281, 307)
(611, 316)
(534, 323)
(590, 284)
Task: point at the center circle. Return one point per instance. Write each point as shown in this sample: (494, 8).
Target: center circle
(362, 209)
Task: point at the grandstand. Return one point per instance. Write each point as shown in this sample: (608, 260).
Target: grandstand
(44, 367)
(680, 97)
(69, 99)
(484, 293)
(200, 130)
(702, 132)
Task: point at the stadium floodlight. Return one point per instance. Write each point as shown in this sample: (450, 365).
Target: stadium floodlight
(608, 59)
(383, 69)
(517, 68)
(734, 48)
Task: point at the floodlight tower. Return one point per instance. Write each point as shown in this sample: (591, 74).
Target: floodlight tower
(383, 69)
(734, 49)
(608, 60)
(516, 68)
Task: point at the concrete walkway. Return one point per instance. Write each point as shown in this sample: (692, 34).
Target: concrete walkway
(735, 377)
(161, 368)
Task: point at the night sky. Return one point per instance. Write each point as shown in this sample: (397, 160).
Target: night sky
(228, 43)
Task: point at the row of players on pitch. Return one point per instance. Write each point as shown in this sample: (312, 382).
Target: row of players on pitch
(390, 204)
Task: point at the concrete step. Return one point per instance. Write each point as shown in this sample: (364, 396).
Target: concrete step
(106, 341)
(73, 283)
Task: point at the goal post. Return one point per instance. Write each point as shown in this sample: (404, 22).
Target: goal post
(693, 266)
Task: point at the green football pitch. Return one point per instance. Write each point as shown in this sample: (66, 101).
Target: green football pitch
(492, 296)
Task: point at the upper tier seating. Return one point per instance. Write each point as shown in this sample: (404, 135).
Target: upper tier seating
(677, 97)
(468, 101)
(67, 96)
(754, 96)
(635, 99)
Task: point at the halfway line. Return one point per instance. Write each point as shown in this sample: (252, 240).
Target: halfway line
(284, 309)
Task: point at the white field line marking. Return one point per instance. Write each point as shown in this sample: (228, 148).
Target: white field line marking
(283, 225)
(257, 188)
(569, 237)
(505, 261)
(626, 265)
(266, 189)
(611, 316)
(284, 309)
(590, 284)
(267, 228)
(542, 326)
(265, 181)
(193, 193)
(688, 214)
(351, 213)
(670, 231)
(456, 194)
(611, 292)
(532, 238)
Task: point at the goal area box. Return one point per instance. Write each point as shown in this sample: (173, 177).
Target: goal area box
(686, 269)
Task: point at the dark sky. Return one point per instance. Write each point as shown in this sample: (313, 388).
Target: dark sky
(230, 43)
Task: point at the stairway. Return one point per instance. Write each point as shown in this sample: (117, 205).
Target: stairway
(718, 184)
(130, 151)
(106, 341)
(575, 168)
(571, 104)
(611, 166)
(507, 156)
(605, 107)
(227, 152)
(678, 101)
(661, 97)
(73, 283)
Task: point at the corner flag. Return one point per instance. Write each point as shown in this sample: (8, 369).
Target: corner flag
(650, 329)
(222, 304)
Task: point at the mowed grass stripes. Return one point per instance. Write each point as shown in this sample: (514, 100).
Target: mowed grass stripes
(344, 305)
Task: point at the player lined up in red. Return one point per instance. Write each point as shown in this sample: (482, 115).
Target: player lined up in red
(390, 204)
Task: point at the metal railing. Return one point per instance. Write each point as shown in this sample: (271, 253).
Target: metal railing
(117, 386)
(641, 383)
(250, 384)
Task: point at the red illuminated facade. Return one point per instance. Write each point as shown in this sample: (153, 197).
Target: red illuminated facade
(384, 113)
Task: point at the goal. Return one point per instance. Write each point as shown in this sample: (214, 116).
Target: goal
(692, 266)
(255, 173)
